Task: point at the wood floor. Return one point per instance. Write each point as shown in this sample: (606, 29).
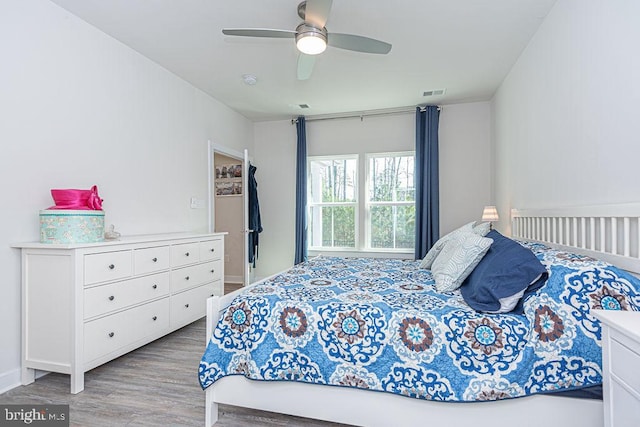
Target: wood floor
(156, 385)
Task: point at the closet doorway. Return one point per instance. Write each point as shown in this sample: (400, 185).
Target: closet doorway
(228, 210)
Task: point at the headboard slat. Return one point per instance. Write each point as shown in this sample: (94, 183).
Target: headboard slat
(614, 236)
(603, 237)
(625, 237)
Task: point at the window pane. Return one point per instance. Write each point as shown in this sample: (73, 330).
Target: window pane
(320, 179)
(344, 179)
(405, 226)
(333, 180)
(333, 226)
(392, 226)
(382, 226)
(391, 179)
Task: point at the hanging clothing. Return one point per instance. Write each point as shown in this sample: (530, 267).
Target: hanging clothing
(255, 223)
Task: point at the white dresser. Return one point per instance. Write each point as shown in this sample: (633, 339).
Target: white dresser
(620, 367)
(86, 304)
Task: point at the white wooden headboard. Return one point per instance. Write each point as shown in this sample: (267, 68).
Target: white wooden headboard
(607, 232)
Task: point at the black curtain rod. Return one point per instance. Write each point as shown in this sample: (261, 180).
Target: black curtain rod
(363, 114)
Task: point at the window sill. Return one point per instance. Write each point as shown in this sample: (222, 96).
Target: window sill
(369, 253)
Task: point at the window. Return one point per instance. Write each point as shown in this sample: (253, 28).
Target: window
(333, 202)
(390, 205)
(377, 213)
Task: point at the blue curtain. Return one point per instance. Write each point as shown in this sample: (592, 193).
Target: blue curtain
(427, 182)
(301, 192)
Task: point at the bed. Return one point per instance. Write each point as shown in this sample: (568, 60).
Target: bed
(370, 325)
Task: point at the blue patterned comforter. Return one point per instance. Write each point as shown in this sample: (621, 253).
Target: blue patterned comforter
(379, 324)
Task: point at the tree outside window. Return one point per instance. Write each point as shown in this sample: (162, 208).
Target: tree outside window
(333, 202)
(390, 201)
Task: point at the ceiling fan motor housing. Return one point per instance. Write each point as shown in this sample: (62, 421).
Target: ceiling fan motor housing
(309, 32)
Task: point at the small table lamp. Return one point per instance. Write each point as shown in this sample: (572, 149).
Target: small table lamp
(490, 214)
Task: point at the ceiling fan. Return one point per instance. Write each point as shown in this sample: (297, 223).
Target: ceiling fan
(312, 37)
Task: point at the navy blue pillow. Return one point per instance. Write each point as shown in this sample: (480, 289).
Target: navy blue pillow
(507, 269)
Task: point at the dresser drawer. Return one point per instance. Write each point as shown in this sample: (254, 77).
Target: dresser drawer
(194, 275)
(211, 250)
(151, 260)
(190, 305)
(107, 266)
(185, 254)
(111, 333)
(625, 362)
(103, 299)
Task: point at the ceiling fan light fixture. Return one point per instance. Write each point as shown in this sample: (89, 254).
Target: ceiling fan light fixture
(311, 40)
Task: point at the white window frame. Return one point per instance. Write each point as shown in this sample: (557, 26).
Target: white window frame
(355, 204)
(368, 203)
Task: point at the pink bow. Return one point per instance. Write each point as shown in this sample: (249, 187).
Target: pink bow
(77, 199)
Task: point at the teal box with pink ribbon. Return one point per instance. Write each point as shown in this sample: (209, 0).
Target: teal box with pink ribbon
(71, 226)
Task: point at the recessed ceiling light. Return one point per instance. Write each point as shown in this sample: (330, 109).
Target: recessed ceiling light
(249, 79)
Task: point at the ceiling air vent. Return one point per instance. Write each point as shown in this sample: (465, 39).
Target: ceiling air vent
(303, 105)
(434, 92)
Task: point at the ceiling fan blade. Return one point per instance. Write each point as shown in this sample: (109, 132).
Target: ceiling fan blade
(317, 12)
(358, 43)
(259, 32)
(305, 66)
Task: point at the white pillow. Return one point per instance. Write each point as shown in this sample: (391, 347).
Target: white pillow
(428, 259)
(460, 255)
(509, 303)
(482, 229)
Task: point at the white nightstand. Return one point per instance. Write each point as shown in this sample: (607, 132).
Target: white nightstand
(620, 367)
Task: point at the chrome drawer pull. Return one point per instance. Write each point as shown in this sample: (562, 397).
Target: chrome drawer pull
(186, 306)
(154, 259)
(111, 298)
(155, 286)
(111, 266)
(187, 254)
(111, 334)
(155, 318)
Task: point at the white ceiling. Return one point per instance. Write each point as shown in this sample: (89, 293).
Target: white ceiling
(465, 46)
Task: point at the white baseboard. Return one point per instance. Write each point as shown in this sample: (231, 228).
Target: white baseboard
(233, 279)
(9, 380)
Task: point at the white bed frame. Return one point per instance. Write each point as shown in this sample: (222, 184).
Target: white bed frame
(606, 232)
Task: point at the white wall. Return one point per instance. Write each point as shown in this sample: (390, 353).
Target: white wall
(465, 165)
(566, 117)
(79, 108)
